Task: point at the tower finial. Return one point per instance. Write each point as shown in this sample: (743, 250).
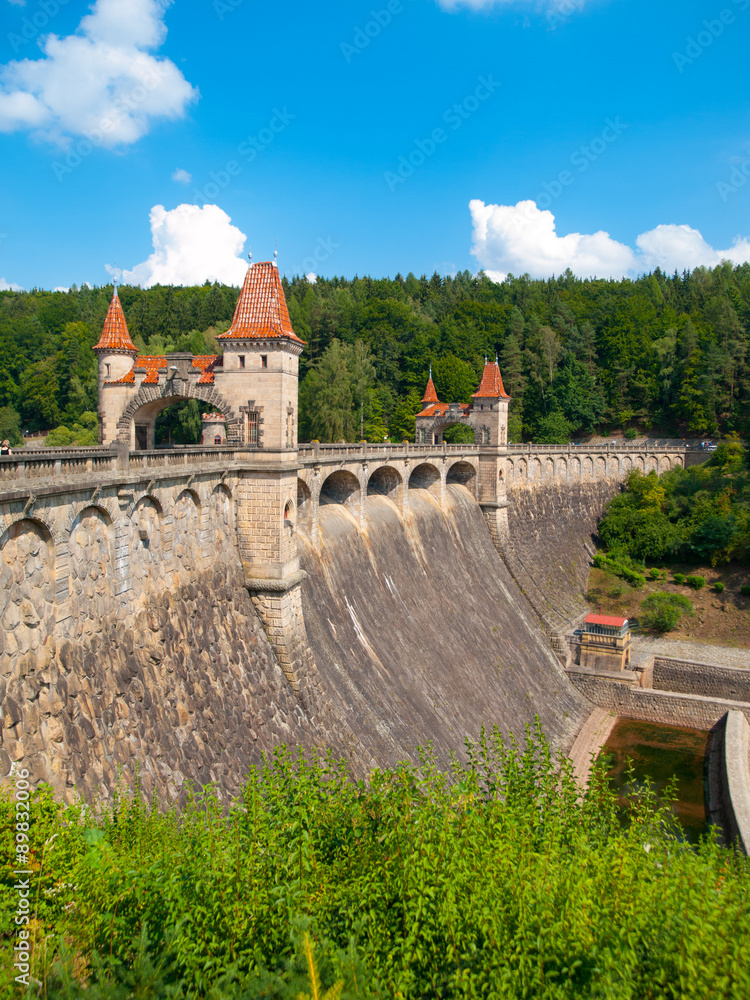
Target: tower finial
(430, 369)
(276, 252)
(250, 253)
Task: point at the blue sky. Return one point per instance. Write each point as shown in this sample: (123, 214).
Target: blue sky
(370, 138)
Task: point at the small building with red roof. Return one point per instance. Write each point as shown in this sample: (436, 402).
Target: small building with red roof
(486, 414)
(252, 385)
(605, 643)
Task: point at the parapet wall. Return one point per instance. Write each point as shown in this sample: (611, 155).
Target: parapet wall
(730, 683)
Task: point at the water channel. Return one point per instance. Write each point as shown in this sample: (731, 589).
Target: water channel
(659, 753)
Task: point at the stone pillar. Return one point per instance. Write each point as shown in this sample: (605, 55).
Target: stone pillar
(280, 611)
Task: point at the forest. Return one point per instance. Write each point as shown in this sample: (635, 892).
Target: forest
(666, 354)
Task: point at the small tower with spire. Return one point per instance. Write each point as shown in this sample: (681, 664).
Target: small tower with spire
(116, 353)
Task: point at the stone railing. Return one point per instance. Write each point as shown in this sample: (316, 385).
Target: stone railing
(52, 463)
(610, 446)
(323, 452)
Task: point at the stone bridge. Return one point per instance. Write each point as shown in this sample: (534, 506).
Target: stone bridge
(100, 523)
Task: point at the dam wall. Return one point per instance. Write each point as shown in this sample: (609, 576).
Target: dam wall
(176, 614)
(420, 633)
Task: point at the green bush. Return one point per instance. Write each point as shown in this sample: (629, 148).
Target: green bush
(662, 611)
(745, 589)
(497, 878)
(695, 581)
(679, 578)
(631, 434)
(654, 574)
(719, 587)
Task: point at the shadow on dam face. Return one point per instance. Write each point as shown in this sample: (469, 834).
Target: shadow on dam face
(420, 633)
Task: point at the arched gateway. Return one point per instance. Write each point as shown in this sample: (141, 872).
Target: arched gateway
(253, 384)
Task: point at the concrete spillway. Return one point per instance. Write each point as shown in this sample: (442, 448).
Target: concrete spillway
(420, 634)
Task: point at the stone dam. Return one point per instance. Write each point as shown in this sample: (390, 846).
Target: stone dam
(140, 637)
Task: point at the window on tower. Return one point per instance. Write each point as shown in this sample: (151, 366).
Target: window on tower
(241, 359)
(264, 361)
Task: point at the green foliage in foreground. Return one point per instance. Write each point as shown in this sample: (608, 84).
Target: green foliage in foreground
(662, 611)
(622, 566)
(698, 515)
(496, 880)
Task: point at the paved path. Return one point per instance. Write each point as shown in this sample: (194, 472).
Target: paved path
(591, 738)
(699, 652)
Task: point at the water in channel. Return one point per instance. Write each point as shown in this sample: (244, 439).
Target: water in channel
(659, 753)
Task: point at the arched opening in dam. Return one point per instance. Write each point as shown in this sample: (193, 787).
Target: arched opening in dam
(425, 477)
(342, 488)
(386, 482)
(463, 474)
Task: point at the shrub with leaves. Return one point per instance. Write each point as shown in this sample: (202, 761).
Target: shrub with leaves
(719, 587)
(679, 578)
(695, 581)
(497, 879)
(662, 611)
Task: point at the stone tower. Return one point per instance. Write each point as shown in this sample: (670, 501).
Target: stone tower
(116, 354)
(261, 362)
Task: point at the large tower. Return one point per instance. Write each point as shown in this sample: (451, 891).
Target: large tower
(489, 407)
(261, 357)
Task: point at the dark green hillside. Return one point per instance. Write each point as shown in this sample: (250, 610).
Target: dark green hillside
(661, 352)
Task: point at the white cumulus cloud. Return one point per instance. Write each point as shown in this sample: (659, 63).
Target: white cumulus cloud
(8, 286)
(182, 176)
(522, 239)
(191, 245)
(101, 82)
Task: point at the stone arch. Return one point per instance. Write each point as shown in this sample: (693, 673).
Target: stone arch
(342, 488)
(663, 464)
(464, 474)
(523, 469)
(651, 464)
(222, 516)
(638, 462)
(614, 465)
(627, 464)
(146, 544)
(575, 468)
(601, 466)
(91, 563)
(549, 468)
(535, 469)
(386, 481)
(562, 469)
(186, 532)
(587, 467)
(150, 400)
(441, 428)
(425, 477)
(27, 587)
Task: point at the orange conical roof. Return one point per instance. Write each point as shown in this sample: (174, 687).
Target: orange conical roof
(261, 310)
(115, 335)
(430, 395)
(492, 382)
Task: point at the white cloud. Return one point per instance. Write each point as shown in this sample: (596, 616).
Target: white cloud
(100, 82)
(182, 176)
(8, 286)
(521, 239)
(191, 245)
(312, 277)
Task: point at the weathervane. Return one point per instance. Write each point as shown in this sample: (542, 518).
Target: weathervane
(250, 254)
(276, 252)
